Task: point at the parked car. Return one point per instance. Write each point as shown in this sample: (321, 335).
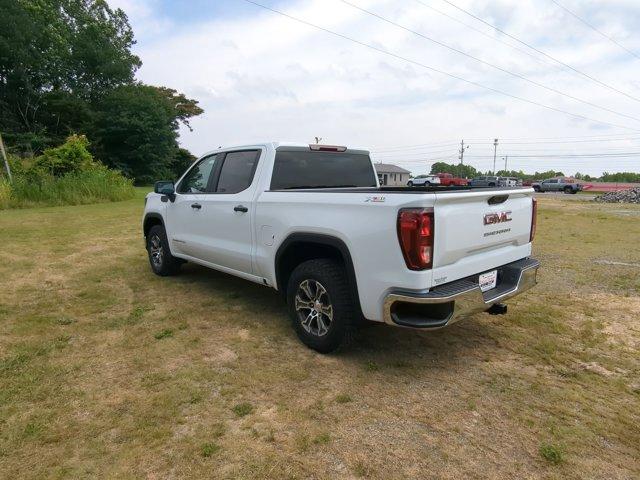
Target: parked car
(507, 182)
(484, 181)
(422, 180)
(307, 220)
(566, 185)
(448, 179)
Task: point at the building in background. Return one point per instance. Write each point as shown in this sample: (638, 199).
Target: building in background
(392, 175)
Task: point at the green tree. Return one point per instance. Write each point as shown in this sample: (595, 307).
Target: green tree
(625, 177)
(463, 171)
(66, 67)
(55, 55)
(136, 128)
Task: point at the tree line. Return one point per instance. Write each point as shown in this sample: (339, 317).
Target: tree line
(66, 67)
(467, 171)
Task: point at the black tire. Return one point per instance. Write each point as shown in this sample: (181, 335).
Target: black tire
(410, 184)
(536, 189)
(427, 184)
(567, 190)
(160, 258)
(492, 184)
(332, 278)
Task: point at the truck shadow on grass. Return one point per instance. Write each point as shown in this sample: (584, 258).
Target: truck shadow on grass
(373, 340)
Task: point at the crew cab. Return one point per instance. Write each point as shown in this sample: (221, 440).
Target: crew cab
(422, 180)
(566, 185)
(312, 222)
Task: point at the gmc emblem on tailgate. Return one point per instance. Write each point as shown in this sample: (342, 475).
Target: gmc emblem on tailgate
(498, 217)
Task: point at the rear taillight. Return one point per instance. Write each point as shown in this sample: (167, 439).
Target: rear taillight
(415, 233)
(534, 218)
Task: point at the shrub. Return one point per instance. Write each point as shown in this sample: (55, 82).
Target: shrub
(70, 157)
(65, 175)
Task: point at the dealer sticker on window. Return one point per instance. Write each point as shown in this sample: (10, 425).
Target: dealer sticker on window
(488, 280)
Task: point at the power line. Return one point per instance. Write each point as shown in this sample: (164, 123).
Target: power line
(560, 138)
(421, 147)
(514, 141)
(521, 50)
(574, 141)
(442, 72)
(488, 64)
(394, 155)
(586, 75)
(611, 39)
(563, 155)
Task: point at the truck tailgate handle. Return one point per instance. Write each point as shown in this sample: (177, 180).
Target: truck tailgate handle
(496, 199)
(240, 208)
(197, 206)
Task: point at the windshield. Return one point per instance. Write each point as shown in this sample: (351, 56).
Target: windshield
(308, 169)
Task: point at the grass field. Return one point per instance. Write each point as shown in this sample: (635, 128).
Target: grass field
(109, 371)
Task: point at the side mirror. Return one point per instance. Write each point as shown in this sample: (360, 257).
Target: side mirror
(167, 188)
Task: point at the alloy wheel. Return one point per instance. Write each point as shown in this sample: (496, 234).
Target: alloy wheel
(313, 307)
(156, 251)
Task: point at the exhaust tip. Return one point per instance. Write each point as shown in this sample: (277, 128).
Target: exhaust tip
(497, 309)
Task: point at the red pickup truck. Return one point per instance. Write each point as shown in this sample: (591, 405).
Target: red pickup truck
(447, 179)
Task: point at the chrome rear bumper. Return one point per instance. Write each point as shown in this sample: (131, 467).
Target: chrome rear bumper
(446, 304)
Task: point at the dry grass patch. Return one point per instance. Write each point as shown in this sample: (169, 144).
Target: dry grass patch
(93, 385)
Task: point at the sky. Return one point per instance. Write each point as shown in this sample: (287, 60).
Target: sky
(262, 76)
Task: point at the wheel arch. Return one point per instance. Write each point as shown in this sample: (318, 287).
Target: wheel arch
(150, 220)
(301, 246)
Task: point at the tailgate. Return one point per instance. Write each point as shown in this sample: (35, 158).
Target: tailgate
(472, 225)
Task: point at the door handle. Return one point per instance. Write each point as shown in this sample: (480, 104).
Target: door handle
(197, 206)
(240, 208)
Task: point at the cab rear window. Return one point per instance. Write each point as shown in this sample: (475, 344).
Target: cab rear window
(312, 169)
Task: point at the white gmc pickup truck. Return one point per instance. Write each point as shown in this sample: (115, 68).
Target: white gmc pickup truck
(312, 222)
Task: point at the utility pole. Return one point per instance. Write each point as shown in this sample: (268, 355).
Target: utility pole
(318, 140)
(6, 162)
(505, 163)
(495, 150)
(461, 152)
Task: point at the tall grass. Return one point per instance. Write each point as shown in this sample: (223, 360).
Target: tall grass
(94, 185)
(63, 175)
(5, 193)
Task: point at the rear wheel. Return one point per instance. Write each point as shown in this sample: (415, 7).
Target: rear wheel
(160, 258)
(492, 184)
(410, 184)
(321, 306)
(567, 189)
(536, 188)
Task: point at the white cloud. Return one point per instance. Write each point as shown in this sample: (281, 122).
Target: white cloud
(260, 76)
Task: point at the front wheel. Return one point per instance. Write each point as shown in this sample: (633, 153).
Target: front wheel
(536, 189)
(160, 258)
(321, 306)
(567, 189)
(410, 184)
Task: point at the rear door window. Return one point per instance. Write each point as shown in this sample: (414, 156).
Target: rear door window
(237, 171)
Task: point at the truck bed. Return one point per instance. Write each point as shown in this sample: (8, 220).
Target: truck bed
(407, 190)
